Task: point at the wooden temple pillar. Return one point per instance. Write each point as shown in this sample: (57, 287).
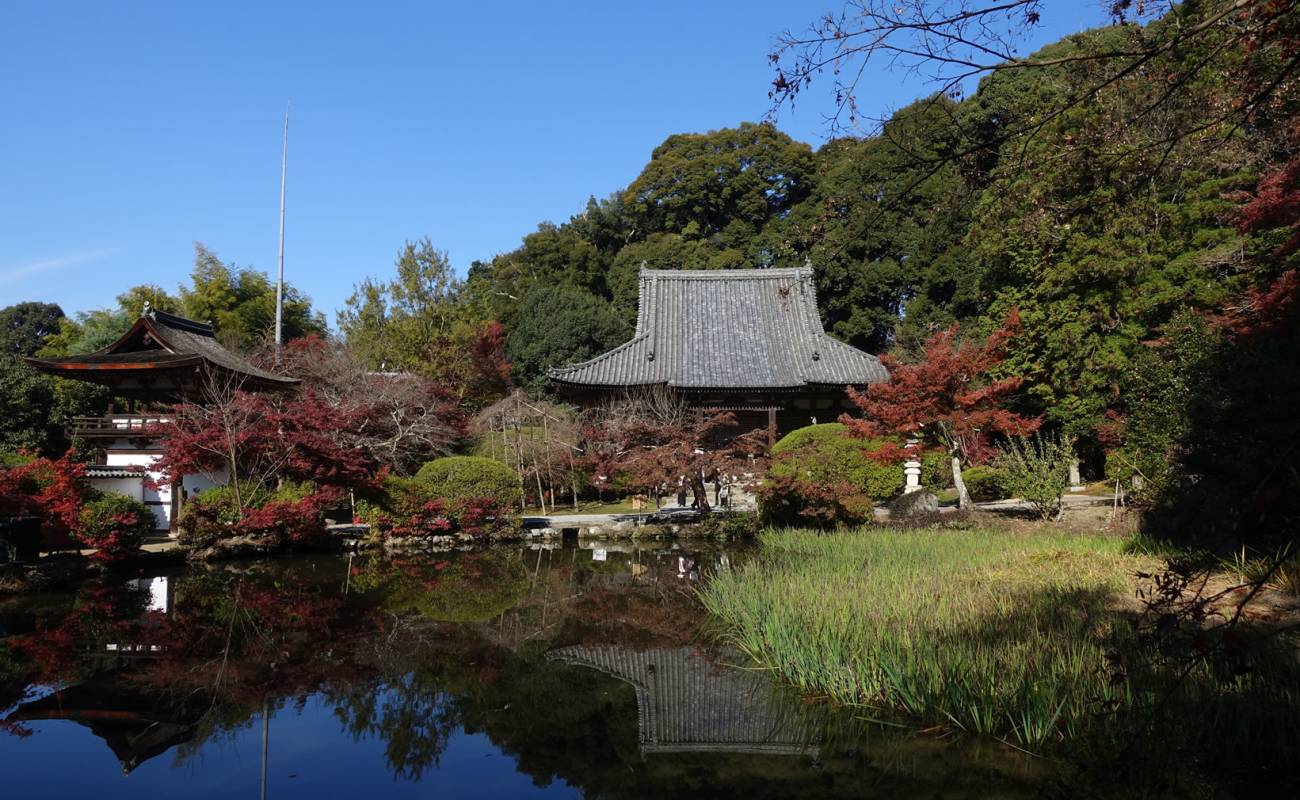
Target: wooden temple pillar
(173, 518)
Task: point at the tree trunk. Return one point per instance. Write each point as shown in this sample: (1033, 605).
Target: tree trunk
(701, 494)
(541, 495)
(573, 477)
(963, 496)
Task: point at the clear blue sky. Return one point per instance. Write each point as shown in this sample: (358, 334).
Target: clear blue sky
(129, 130)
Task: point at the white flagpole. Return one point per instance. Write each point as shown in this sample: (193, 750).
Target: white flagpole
(279, 281)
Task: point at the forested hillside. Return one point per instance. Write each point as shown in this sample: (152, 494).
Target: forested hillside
(1097, 236)
(1134, 195)
(1130, 213)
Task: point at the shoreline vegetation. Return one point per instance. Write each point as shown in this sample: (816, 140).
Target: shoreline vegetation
(982, 630)
(1033, 637)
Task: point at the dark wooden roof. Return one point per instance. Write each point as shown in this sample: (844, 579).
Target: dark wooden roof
(727, 329)
(161, 354)
(134, 725)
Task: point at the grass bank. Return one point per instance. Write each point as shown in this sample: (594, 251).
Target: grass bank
(991, 632)
(1022, 635)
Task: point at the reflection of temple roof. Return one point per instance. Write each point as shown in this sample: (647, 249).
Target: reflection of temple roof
(133, 726)
(686, 704)
(161, 353)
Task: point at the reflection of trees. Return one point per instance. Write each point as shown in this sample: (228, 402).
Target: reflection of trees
(632, 598)
(370, 643)
(409, 713)
(465, 587)
(233, 643)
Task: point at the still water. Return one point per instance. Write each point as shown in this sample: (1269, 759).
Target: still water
(511, 672)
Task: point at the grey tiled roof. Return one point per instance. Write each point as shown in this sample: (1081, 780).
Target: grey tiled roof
(735, 329)
(686, 704)
(115, 471)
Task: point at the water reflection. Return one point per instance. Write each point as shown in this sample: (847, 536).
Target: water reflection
(688, 704)
(498, 673)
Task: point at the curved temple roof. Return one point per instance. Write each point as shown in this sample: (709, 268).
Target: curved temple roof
(727, 329)
(686, 704)
(161, 353)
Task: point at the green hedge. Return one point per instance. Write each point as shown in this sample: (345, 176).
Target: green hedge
(985, 483)
(824, 454)
(936, 470)
(469, 478)
(114, 524)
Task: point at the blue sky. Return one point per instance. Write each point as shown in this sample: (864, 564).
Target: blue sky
(130, 130)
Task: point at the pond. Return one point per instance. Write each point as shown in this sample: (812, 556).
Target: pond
(508, 672)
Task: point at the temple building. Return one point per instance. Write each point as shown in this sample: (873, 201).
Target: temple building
(162, 359)
(748, 341)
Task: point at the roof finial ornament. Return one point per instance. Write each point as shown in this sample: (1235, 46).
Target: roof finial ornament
(148, 309)
(807, 261)
(643, 264)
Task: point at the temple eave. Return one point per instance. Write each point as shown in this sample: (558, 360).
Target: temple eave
(129, 366)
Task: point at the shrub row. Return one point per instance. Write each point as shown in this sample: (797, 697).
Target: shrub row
(455, 495)
(822, 477)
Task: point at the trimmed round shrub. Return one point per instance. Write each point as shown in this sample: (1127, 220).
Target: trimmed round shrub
(469, 478)
(822, 477)
(936, 470)
(985, 483)
(211, 514)
(784, 500)
(824, 454)
(115, 525)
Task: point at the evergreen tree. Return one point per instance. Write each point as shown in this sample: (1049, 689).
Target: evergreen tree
(560, 325)
(25, 326)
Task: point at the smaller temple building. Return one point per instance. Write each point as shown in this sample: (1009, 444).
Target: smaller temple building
(749, 341)
(163, 359)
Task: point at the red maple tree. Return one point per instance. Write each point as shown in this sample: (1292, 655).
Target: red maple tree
(400, 418)
(1271, 306)
(658, 444)
(945, 401)
(256, 441)
(53, 490)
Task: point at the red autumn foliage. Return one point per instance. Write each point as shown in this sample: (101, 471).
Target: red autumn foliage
(52, 490)
(1268, 308)
(945, 401)
(403, 420)
(1275, 204)
(115, 525)
(476, 517)
(1262, 312)
(1110, 432)
(657, 443)
(298, 521)
(490, 354)
(474, 366)
(261, 439)
(789, 499)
